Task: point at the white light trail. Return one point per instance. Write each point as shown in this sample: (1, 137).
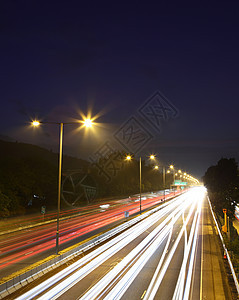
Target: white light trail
(128, 237)
(192, 256)
(158, 277)
(180, 289)
(116, 282)
(96, 257)
(123, 284)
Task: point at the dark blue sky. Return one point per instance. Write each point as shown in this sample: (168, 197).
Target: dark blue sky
(61, 56)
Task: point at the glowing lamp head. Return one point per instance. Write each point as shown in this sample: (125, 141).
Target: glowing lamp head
(35, 123)
(152, 156)
(171, 167)
(128, 157)
(156, 167)
(88, 123)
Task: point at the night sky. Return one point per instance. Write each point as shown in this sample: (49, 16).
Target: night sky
(62, 57)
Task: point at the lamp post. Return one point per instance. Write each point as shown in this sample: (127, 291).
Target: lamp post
(59, 188)
(163, 173)
(164, 177)
(172, 168)
(86, 123)
(129, 157)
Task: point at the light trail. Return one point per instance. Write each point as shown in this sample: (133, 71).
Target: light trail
(15, 249)
(127, 238)
(94, 259)
(180, 287)
(185, 209)
(192, 256)
(160, 273)
(134, 262)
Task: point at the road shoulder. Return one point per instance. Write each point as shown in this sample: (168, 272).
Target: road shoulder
(214, 279)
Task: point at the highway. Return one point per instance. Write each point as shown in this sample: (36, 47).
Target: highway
(171, 252)
(157, 258)
(30, 244)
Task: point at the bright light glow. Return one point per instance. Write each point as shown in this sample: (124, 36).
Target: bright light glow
(88, 122)
(104, 206)
(156, 167)
(128, 157)
(171, 167)
(35, 123)
(152, 156)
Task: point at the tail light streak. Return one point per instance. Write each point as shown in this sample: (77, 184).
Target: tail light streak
(116, 282)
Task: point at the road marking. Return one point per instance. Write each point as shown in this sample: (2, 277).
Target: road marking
(143, 294)
(28, 253)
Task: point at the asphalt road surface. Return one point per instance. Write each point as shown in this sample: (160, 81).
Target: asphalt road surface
(174, 253)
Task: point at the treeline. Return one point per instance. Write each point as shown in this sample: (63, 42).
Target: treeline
(222, 182)
(29, 175)
(122, 177)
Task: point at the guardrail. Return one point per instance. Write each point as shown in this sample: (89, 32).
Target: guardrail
(225, 249)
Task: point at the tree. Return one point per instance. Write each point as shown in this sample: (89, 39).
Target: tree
(222, 182)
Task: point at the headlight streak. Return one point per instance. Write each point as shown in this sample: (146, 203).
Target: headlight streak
(172, 211)
(109, 249)
(120, 288)
(192, 256)
(118, 291)
(163, 270)
(73, 279)
(147, 246)
(179, 290)
(151, 286)
(125, 266)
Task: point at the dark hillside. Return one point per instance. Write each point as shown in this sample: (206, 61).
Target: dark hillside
(27, 170)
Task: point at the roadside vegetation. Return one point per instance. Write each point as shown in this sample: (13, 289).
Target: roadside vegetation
(222, 183)
(29, 175)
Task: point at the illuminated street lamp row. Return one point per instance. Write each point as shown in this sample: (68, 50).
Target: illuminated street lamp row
(171, 168)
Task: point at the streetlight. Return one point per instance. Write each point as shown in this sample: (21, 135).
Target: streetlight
(87, 123)
(164, 177)
(163, 169)
(128, 158)
(172, 168)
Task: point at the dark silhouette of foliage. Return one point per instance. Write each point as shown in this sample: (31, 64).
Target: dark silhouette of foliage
(27, 170)
(222, 182)
(29, 176)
